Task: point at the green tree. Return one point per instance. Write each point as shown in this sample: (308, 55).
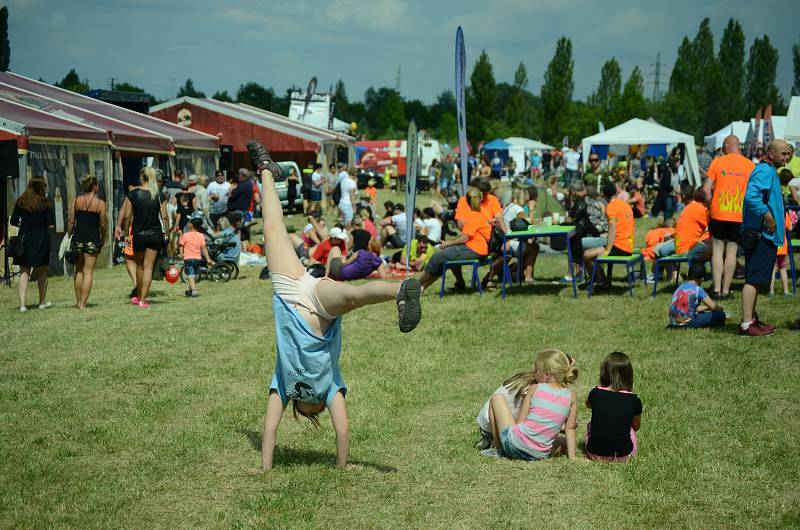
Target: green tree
(222, 96)
(256, 95)
(5, 45)
(127, 87)
(391, 119)
(517, 109)
(188, 90)
(448, 128)
(342, 109)
(632, 103)
(731, 65)
(481, 99)
(557, 91)
(417, 110)
(445, 104)
(796, 68)
(762, 66)
(73, 82)
(609, 90)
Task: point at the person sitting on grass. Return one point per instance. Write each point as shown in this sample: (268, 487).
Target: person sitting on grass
(360, 264)
(691, 305)
(193, 245)
(513, 390)
(473, 243)
(548, 404)
(393, 228)
(318, 255)
(616, 412)
(421, 253)
(308, 324)
(620, 234)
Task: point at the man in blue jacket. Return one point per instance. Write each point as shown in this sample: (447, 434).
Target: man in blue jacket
(763, 231)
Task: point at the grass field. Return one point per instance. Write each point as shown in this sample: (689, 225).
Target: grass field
(121, 417)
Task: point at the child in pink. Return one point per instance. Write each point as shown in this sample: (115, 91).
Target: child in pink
(193, 245)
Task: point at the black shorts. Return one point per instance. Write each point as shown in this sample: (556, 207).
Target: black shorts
(147, 241)
(615, 251)
(335, 269)
(724, 230)
(759, 264)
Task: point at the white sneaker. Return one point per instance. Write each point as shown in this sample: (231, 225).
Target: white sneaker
(22, 309)
(46, 305)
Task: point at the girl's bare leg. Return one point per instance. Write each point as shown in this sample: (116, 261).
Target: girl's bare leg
(339, 298)
(89, 262)
(279, 251)
(22, 285)
(148, 262)
(500, 417)
(78, 280)
(41, 280)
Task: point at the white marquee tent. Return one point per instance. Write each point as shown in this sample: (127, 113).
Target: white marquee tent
(739, 128)
(638, 132)
(521, 148)
(791, 132)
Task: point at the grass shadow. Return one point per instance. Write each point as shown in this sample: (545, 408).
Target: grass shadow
(287, 456)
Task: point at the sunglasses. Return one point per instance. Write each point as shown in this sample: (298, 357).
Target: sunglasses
(594, 160)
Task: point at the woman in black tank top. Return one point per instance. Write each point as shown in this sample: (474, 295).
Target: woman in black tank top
(147, 215)
(87, 226)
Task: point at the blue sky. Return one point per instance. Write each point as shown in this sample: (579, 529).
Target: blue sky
(159, 44)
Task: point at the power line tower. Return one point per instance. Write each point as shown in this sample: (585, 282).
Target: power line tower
(397, 79)
(657, 75)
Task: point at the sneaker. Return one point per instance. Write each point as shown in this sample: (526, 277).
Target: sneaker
(795, 326)
(46, 305)
(483, 443)
(756, 329)
(651, 278)
(143, 304)
(408, 304)
(194, 294)
(135, 300)
(187, 293)
(23, 308)
(261, 159)
(490, 452)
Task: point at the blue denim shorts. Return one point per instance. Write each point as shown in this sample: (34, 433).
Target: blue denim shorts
(192, 267)
(509, 450)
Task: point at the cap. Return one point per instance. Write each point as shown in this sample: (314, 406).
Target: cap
(193, 179)
(337, 233)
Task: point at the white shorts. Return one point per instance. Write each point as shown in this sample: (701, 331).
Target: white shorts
(300, 292)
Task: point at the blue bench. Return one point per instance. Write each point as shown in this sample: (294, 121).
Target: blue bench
(476, 279)
(675, 259)
(630, 263)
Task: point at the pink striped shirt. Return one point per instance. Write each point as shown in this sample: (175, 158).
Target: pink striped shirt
(548, 411)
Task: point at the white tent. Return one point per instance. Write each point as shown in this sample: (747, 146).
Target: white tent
(738, 128)
(791, 132)
(521, 148)
(638, 132)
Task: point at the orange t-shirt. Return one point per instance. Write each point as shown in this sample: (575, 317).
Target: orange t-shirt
(490, 208)
(479, 231)
(691, 227)
(621, 213)
(783, 250)
(372, 191)
(192, 243)
(653, 238)
(729, 174)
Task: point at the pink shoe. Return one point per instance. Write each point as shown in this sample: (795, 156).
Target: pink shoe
(135, 300)
(143, 304)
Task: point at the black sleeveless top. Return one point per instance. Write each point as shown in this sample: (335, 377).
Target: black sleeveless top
(146, 212)
(87, 225)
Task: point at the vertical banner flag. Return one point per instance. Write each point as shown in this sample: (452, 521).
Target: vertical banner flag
(461, 66)
(767, 126)
(312, 87)
(412, 169)
(756, 133)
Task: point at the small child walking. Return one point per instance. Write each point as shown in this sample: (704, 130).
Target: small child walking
(513, 390)
(686, 310)
(781, 261)
(548, 404)
(193, 245)
(616, 412)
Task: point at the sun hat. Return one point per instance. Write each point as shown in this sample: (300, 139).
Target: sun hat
(337, 233)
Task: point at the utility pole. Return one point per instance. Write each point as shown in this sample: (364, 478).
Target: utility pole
(111, 83)
(397, 79)
(657, 75)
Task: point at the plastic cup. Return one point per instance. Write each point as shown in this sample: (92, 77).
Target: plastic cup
(547, 221)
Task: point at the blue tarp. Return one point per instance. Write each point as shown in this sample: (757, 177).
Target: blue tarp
(497, 145)
(657, 150)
